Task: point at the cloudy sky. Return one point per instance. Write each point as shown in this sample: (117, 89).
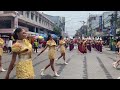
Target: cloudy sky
(72, 18)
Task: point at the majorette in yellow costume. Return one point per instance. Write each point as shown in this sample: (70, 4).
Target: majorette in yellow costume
(24, 67)
(1, 46)
(52, 51)
(62, 46)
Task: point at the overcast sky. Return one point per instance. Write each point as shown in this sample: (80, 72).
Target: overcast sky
(73, 18)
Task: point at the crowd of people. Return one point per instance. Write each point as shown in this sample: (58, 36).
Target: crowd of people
(22, 48)
(86, 44)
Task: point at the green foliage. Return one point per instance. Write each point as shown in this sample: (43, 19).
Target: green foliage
(57, 30)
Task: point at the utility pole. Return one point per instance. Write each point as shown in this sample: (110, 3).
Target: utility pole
(111, 22)
(83, 22)
(115, 22)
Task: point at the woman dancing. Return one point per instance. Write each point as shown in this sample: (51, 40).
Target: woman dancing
(51, 53)
(23, 49)
(62, 48)
(1, 53)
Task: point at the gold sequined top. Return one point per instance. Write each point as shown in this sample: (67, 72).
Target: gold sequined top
(51, 44)
(62, 46)
(1, 42)
(22, 45)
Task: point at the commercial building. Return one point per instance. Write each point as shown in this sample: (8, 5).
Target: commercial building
(93, 24)
(33, 21)
(59, 22)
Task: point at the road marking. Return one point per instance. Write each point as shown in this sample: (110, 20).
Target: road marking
(108, 75)
(39, 62)
(85, 74)
(112, 59)
(63, 66)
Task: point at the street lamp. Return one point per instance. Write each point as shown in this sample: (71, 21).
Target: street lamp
(83, 22)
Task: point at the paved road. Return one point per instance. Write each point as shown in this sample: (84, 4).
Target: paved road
(89, 66)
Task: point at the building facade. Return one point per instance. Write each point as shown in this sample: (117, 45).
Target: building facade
(59, 22)
(32, 21)
(93, 24)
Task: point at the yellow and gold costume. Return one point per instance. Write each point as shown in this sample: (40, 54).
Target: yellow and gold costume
(62, 46)
(24, 67)
(52, 51)
(1, 46)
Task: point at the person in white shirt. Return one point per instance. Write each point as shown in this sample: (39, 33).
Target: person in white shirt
(10, 45)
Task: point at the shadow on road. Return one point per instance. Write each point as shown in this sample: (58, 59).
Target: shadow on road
(118, 68)
(48, 77)
(59, 64)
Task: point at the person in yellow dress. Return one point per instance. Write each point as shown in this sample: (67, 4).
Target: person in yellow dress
(23, 49)
(1, 53)
(62, 49)
(51, 54)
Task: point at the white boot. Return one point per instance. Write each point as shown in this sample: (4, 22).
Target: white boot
(118, 78)
(2, 70)
(65, 63)
(56, 59)
(42, 72)
(115, 64)
(56, 75)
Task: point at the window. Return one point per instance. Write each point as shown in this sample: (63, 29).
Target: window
(36, 18)
(32, 15)
(39, 19)
(43, 21)
(27, 14)
(5, 24)
(21, 12)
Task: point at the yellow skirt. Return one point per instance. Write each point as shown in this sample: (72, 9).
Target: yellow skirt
(52, 54)
(1, 51)
(62, 49)
(24, 70)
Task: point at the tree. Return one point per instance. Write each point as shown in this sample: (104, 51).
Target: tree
(57, 30)
(118, 32)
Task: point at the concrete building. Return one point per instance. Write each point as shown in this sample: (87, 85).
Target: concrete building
(33, 21)
(59, 22)
(107, 18)
(82, 31)
(93, 24)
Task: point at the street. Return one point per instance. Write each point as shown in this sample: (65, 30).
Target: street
(88, 66)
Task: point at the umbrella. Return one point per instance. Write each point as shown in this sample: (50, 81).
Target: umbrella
(54, 36)
(43, 35)
(40, 37)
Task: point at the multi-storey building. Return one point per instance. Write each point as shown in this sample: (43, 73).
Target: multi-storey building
(33, 21)
(59, 22)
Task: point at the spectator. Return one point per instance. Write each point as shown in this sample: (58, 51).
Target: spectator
(35, 46)
(10, 45)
